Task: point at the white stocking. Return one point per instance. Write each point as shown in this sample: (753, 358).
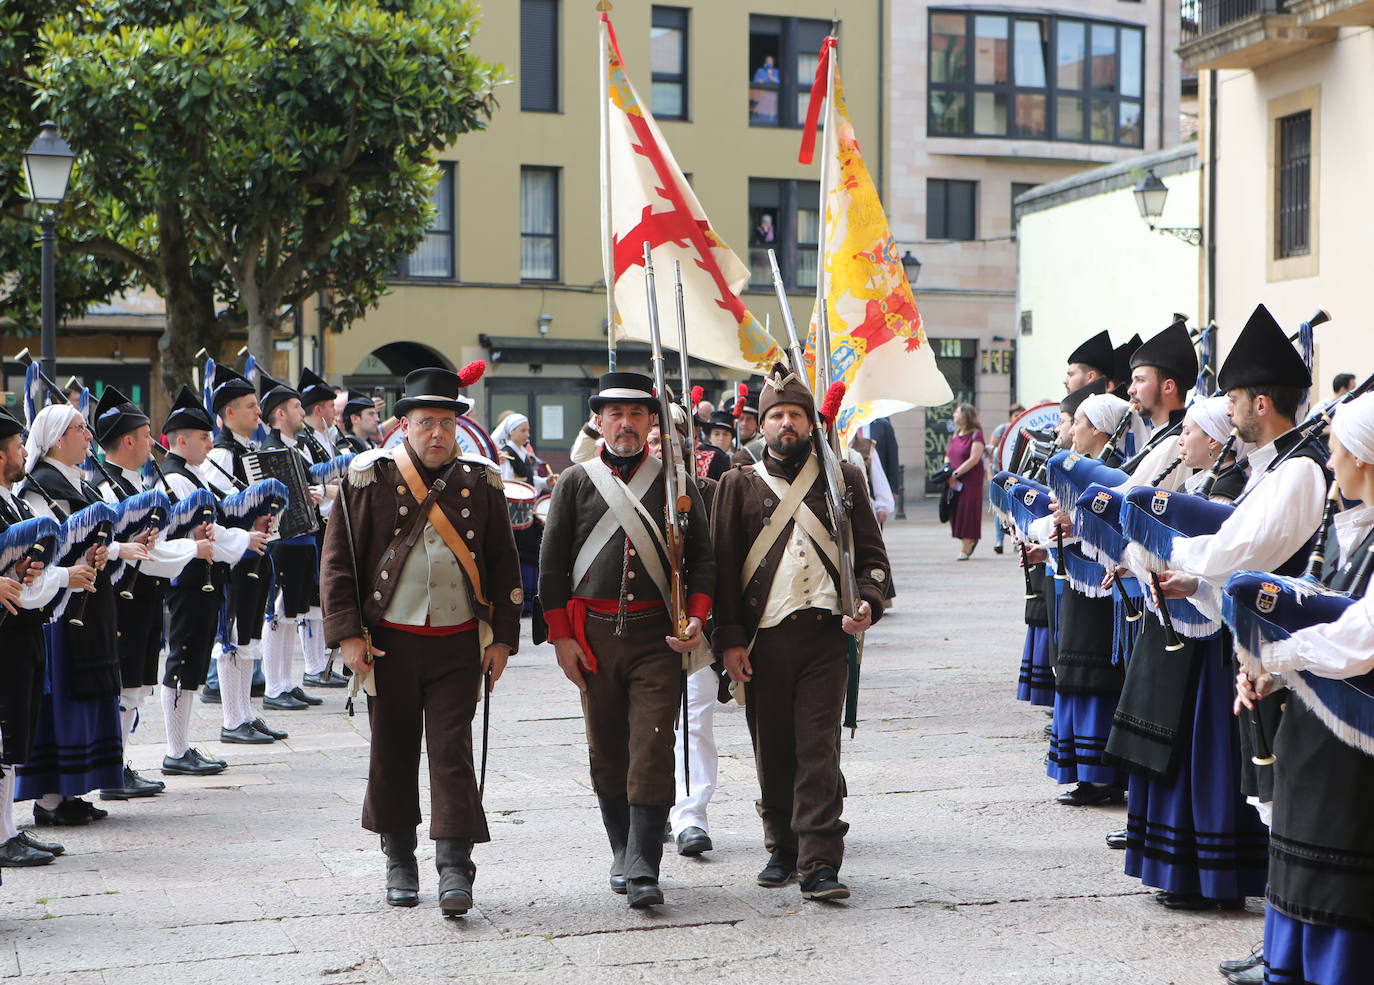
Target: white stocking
(8, 829)
(129, 700)
(236, 685)
(176, 715)
(312, 640)
(278, 647)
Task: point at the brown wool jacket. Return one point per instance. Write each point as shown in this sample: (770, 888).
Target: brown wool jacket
(382, 511)
(742, 501)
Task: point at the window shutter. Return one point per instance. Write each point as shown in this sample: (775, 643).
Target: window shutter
(539, 55)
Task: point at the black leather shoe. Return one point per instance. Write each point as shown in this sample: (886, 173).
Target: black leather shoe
(781, 867)
(245, 735)
(18, 853)
(210, 695)
(208, 760)
(319, 680)
(693, 841)
(1189, 901)
(618, 883)
(284, 702)
(51, 847)
(1117, 839)
(134, 786)
(1049, 731)
(997, 548)
(299, 694)
(644, 892)
(1090, 795)
(188, 764)
(402, 871)
(824, 884)
(1254, 959)
(1250, 976)
(63, 816)
(267, 730)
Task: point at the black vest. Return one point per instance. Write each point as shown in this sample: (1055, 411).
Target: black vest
(226, 441)
(10, 514)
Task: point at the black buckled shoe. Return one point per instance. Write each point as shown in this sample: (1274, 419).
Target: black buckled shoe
(1252, 960)
(18, 853)
(51, 847)
(244, 735)
(453, 859)
(188, 764)
(134, 786)
(693, 841)
(1093, 795)
(299, 694)
(402, 871)
(781, 867)
(824, 884)
(285, 701)
(1117, 839)
(267, 730)
(319, 680)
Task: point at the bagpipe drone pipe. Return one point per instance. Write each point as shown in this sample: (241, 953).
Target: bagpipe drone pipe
(147, 510)
(32, 540)
(92, 526)
(190, 511)
(264, 498)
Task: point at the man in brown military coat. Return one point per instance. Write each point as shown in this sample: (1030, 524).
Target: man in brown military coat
(780, 631)
(602, 571)
(438, 590)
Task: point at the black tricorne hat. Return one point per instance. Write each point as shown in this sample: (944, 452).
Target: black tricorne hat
(227, 386)
(9, 424)
(432, 387)
(115, 416)
(1097, 352)
(188, 413)
(313, 389)
(1263, 356)
(272, 394)
(624, 388)
(1121, 356)
(1069, 405)
(1172, 352)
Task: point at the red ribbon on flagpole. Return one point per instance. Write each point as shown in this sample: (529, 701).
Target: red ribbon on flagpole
(813, 107)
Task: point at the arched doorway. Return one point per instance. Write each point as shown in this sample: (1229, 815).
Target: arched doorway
(383, 371)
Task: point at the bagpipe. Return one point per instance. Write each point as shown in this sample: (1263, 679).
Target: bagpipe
(299, 516)
(189, 512)
(92, 526)
(27, 542)
(330, 472)
(1001, 489)
(142, 511)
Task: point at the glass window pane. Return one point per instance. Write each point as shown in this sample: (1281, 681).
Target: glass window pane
(1030, 54)
(990, 50)
(442, 197)
(667, 99)
(1132, 132)
(990, 113)
(538, 201)
(1132, 43)
(960, 209)
(948, 112)
(1032, 117)
(763, 105)
(806, 266)
(665, 50)
(537, 258)
(948, 48)
(433, 257)
(1068, 124)
(1102, 121)
(1104, 57)
(760, 271)
(808, 225)
(1069, 55)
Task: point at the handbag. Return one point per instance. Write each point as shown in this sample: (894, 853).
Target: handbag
(949, 499)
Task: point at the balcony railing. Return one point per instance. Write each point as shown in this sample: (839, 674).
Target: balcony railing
(1205, 16)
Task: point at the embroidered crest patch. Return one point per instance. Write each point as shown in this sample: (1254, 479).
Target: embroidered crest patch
(1159, 503)
(517, 596)
(879, 575)
(1268, 597)
(1101, 501)
(1070, 462)
(1029, 498)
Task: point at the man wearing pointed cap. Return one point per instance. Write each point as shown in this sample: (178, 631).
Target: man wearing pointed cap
(192, 613)
(1121, 359)
(1093, 359)
(430, 580)
(782, 636)
(1163, 370)
(357, 424)
(603, 581)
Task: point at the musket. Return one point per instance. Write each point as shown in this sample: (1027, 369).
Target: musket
(358, 599)
(664, 430)
(837, 498)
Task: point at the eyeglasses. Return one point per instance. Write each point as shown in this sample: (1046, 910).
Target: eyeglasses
(77, 427)
(448, 425)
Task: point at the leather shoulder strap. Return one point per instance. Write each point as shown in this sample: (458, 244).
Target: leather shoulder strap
(441, 524)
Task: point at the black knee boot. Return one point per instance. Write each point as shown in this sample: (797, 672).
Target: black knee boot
(644, 853)
(453, 859)
(402, 873)
(615, 815)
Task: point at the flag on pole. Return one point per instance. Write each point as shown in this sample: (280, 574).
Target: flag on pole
(652, 202)
(208, 390)
(878, 346)
(33, 393)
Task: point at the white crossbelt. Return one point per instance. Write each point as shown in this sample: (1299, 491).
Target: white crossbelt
(623, 512)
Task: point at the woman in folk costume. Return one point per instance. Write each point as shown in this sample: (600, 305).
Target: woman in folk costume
(518, 461)
(1190, 832)
(79, 744)
(1319, 926)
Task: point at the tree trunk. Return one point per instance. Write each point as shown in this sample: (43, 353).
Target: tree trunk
(262, 331)
(189, 302)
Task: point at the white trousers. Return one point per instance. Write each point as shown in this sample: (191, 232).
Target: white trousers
(690, 810)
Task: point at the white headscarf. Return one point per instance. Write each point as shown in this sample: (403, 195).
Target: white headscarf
(503, 431)
(49, 424)
(1354, 426)
(1210, 415)
(1104, 411)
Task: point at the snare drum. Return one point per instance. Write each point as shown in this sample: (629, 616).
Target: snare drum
(541, 508)
(520, 497)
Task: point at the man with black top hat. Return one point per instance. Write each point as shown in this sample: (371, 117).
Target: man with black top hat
(420, 566)
(781, 634)
(122, 431)
(1094, 359)
(192, 613)
(603, 581)
(296, 561)
(357, 423)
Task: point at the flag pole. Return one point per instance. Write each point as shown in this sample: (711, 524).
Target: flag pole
(822, 289)
(607, 228)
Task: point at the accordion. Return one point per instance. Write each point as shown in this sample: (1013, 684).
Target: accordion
(300, 518)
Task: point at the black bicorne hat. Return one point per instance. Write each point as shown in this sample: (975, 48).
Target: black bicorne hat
(1097, 352)
(115, 416)
(188, 413)
(1171, 352)
(1263, 356)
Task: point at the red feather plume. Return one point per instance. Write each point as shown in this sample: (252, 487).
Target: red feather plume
(833, 398)
(697, 393)
(741, 395)
(471, 373)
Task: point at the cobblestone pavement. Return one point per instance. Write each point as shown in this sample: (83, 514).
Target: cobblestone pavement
(963, 867)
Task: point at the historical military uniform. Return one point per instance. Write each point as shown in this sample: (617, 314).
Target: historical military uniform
(781, 601)
(602, 582)
(434, 568)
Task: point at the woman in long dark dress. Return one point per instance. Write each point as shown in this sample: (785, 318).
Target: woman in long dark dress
(965, 457)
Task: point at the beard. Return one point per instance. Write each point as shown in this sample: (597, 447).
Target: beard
(788, 444)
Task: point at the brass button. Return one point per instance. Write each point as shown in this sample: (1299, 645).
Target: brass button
(466, 493)
(629, 598)
(792, 616)
(632, 552)
(386, 575)
(400, 490)
(767, 502)
(467, 468)
(820, 616)
(403, 510)
(629, 574)
(474, 554)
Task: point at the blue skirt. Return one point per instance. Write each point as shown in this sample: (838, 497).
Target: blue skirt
(1036, 681)
(1297, 953)
(79, 744)
(1081, 725)
(529, 581)
(1194, 833)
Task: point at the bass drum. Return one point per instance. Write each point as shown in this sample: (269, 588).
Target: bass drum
(520, 497)
(472, 439)
(1042, 417)
(541, 508)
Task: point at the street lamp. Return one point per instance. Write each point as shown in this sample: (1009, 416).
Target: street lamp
(47, 167)
(1150, 195)
(912, 266)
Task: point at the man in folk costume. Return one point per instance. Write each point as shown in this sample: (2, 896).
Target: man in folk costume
(518, 461)
(235, 401)
(1163, 370)
(357, 423)
(317, 401)
(429, 586)
(122, 431)
(604, 581)
(781, 634)
(192, 613)
(296, 561)
(22, 641)
(1094, 359)
(79, 745)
